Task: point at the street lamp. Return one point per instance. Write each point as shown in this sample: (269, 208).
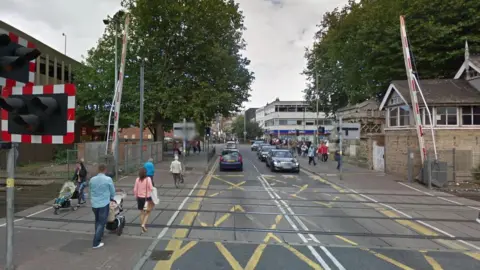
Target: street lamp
(65, 46)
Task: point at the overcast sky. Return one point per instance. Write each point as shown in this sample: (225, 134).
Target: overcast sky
(278, 31)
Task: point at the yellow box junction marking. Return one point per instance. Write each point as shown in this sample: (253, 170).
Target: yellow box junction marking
(232, 186)
(187, 220)
(389, 213)
(378, 255)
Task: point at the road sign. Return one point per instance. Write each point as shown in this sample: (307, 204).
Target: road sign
(43, 114)
(189, 128)
(350, 131)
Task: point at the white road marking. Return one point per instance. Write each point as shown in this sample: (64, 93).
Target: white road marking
(441, 198)
(314, 252)
(408, 216)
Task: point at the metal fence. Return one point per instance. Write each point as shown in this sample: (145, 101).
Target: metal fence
(450, 166)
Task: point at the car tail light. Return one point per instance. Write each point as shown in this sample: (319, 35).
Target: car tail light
(221, 158)
(240, 158)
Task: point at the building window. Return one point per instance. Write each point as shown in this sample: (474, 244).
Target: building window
(308, 123)
(393, 117)
(283, 122)
(399, 116)
(299, 122)
(471, 115)
(446, 116)
(425, 117)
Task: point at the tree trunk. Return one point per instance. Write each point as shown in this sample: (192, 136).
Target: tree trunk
(160, 134)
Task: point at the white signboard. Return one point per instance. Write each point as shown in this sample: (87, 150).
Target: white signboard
(190, 131)
(350, 131)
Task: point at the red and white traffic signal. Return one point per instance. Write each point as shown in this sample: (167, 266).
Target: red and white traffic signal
(43, 114)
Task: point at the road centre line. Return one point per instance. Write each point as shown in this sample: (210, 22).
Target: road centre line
(314, 252)
(188, 217)
(403, 214)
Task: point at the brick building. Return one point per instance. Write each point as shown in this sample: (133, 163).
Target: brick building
(454, 105)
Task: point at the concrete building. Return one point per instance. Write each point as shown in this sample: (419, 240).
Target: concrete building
(283, 119)
(454, 105)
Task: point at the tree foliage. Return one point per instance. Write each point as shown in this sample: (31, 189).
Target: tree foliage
(253, 128)
(358, 50)
(191, 51)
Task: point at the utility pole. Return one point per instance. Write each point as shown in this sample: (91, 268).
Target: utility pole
(340, 138)
(245, 127)
(184, 140)
(65, 45)
(10, 204)
(142, 86)
(316, 119)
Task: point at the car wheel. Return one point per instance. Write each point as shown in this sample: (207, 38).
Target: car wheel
(266, 163)
(272, 169)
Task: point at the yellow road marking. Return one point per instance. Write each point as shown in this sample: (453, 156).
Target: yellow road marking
(474, 255)
(229, 175)
(225, 181)
(230, 188)
(409, 224)
(188, 218)
(257, 254)
(433, 263)
(378, 255)
(302, 189)
(297, 253)
(228, 256)
(227, 215)
(182, 250)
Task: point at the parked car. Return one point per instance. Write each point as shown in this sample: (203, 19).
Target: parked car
(256, 144)
(231, 145)
(231, 161)
(263, 152)
(282, 160)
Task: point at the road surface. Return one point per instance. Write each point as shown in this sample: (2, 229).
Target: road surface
(257, 219)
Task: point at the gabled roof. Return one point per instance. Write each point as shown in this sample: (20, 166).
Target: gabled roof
(473, 62)
(437, 92)
(357, 106)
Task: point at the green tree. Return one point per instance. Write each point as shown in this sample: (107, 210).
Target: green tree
(193, 65)
(358, 50)
(253, 129)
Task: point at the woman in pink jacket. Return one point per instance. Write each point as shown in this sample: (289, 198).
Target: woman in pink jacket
(143, 192)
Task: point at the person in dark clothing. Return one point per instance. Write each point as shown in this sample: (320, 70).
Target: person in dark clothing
(80, 178)
(338, 159)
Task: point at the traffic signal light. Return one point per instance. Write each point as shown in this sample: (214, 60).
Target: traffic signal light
(15, 60)
(38, 114)
(207, 131)
(321, 130)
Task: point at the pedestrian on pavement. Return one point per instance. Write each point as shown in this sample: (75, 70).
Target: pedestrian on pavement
(80, 178)
(150, 168)
(304, 150)
(143, 192)
(199, 147)
(176, 170)
(338, 159)
(324, 152)
(311, 155)
(101, 191)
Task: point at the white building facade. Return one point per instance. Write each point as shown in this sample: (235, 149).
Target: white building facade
(282, 119)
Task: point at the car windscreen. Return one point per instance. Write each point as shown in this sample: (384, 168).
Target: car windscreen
(282, 154)
(231, 156)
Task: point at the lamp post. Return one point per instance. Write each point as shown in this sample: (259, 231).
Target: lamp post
(65, 43)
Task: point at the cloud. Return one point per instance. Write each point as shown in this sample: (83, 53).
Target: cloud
(277, 33)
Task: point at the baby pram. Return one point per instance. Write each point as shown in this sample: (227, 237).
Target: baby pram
(64, 199)
(115, 221)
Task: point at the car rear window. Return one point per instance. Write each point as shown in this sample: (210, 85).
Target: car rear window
(268, 148)
(282, 154)
(233, 155)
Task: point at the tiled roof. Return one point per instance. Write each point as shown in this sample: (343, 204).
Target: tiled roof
(443, 91)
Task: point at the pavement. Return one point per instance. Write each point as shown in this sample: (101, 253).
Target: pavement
(258, 219)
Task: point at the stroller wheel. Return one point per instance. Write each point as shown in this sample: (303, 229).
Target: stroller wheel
(120, 227)
(74, 208)
(55, 210)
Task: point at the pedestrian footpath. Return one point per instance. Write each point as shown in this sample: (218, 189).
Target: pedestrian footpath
(44, 240)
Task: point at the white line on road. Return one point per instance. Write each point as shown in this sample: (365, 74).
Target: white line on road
(408, 216)
(314, 252)
(152, 246)
(441, 198)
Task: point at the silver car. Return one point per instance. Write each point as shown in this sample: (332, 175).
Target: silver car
(282, 160)
(263, 152)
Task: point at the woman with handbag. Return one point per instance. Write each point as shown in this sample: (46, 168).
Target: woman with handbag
(143, 192)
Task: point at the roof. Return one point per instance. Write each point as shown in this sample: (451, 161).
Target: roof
(438, 91)
(357, 106)
(475, 60)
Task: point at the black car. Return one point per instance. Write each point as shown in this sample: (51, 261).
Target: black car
(282, 160)
(263, 151)
(256, 144)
